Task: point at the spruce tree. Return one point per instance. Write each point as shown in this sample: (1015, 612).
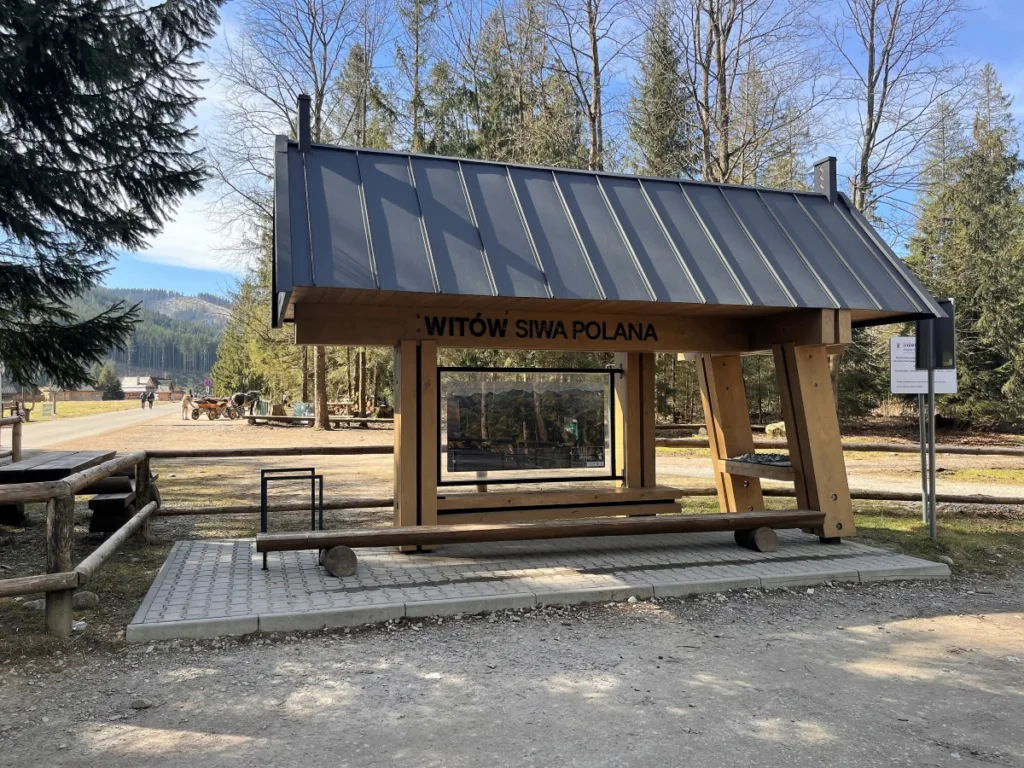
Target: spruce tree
(969, 246)
(662, 122)
(93, 153)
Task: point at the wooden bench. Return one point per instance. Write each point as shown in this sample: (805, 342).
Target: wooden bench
(572, 503)
(434, 535)
(114, 502)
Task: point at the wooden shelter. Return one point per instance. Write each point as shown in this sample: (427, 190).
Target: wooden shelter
(420, 252)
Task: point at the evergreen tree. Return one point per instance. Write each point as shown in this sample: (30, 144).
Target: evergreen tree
(662, 123)
(412, 55)
(969, 247)
(365, 115)
(447, 106)
(109, 382)
(93, 152)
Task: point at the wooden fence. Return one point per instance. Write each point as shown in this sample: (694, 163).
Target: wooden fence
(14, 422)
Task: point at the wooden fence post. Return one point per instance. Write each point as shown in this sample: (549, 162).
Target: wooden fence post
(16, 441)
(60, 542)
(145, 492)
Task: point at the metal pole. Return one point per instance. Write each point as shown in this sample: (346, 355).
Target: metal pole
(922, 436)
(932, 524)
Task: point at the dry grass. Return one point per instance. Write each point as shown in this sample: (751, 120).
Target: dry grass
(74, 409)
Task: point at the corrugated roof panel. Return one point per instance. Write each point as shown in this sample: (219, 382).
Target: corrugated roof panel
(504, 237)
(341, 255)
(879, 280)
(301, 272)
(748, 266)
(699, 254)
(394, 213)
(660, 263)
(565, 266)
(839, 279)
(454, 242)
(789, 267)
(616, 271)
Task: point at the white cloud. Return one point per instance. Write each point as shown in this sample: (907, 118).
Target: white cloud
(192, 240)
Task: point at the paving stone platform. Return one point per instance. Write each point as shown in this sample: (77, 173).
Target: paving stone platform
(211, 588)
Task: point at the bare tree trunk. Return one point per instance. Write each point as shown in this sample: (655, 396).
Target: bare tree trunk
(321, 419)
(361, 383)
(834, 362)
(348, 373)
(305, 374)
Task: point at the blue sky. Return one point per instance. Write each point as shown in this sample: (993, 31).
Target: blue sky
(188, 256)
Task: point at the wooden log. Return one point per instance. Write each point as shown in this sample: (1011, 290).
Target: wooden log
(16, 441)
(93, 562)
(668, 427)
(340, 561)
(550, 529)
(26, 493)
(761, 539)
(242, 453)
(253, 509)
(87, 477)
(46, 582)
(60, 540)
(7, 421)
(145, 492)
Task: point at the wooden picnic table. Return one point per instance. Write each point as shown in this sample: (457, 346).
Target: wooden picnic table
(40, 466)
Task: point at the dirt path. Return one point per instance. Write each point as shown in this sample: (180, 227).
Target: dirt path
(890, 674)
(52, 434)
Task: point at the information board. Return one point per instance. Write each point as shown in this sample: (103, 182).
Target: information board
(906, 379)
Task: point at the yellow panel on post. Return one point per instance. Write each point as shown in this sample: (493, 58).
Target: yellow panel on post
(729, 434)
(812, 431)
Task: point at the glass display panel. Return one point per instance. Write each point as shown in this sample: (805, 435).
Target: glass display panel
(518, 426)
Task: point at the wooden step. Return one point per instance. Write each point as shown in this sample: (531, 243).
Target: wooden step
(766, 471)
(431, 535)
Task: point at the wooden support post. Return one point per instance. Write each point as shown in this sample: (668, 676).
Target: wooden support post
(60, 540)
(729, 434)
(812, 432)
(145, 492)
(634, 419)
(16, 441)
(416, 433)
(406, 437)
(428, 432)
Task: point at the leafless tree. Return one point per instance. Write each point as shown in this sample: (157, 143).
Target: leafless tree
(282, 48)
(897, 67)
(755, 72)
(587, 39)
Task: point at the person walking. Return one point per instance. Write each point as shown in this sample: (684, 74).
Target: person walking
(142, 399)
(151, 398)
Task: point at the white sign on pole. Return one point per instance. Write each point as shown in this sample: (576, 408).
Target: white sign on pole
(904, 377)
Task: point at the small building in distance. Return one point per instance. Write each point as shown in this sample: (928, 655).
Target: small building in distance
(167, 390)
(133, 386)
(81, 393)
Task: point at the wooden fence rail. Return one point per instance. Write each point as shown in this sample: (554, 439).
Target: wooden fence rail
(14, 422)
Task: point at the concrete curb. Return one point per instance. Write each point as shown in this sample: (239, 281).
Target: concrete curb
(195, 629)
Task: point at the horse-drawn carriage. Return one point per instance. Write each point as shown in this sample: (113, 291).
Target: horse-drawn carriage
(215, 407)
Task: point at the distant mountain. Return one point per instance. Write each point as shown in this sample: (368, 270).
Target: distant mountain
(177, 335)
(202, 308)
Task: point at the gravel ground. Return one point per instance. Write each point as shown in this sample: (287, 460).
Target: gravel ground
(864, 675)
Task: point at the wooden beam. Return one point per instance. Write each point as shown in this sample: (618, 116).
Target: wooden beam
(406, 480)
(88, 567)
(647, 436)
(553, 529)
(428, 432)
(506, 329)
(571, 496)
(805, 327)
(729, 434)
(580, 512)
(812, 433)
(46, 582)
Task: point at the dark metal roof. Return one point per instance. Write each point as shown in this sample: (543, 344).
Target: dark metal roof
(389, 221)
